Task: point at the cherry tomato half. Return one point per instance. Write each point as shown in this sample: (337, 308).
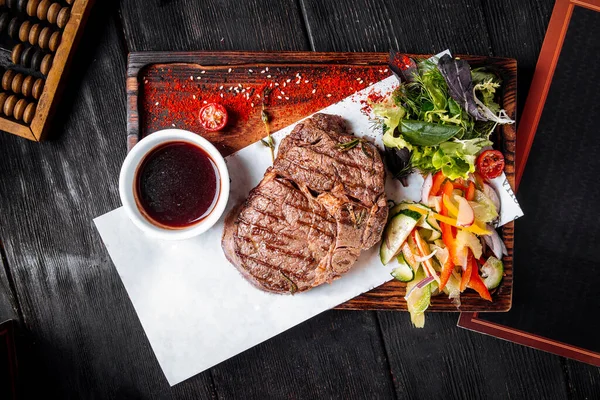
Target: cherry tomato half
(490, 164)
(213, 117)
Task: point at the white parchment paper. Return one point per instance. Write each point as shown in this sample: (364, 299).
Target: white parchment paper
(196, 309)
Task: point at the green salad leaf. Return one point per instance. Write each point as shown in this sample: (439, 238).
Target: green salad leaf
(443, 116)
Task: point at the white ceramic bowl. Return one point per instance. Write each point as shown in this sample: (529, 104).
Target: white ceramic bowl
(128, 175)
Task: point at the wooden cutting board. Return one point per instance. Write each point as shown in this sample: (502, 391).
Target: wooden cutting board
(167, 89)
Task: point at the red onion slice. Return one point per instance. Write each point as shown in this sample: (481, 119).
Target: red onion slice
(419, 285)
(426, 189)
(495, 243)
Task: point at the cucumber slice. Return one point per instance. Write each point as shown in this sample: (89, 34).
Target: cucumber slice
(433, 223)
(492, 272)
(418, 301)
(403, 272)
(404, 205)
(396, 232)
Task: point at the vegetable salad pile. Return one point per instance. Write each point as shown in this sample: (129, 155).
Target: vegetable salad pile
(438, 122)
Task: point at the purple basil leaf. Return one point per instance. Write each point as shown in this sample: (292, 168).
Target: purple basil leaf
(457, 74)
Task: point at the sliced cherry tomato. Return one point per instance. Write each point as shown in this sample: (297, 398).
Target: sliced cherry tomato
(490, 164)
(213, 117)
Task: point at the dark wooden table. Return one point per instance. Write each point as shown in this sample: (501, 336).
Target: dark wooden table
(81, 336)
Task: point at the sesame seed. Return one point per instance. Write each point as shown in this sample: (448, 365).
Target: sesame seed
(156, 103)
(328, 95)
(287, 98)
(229, 70)
(358, 79)
(258, 95)
(239, 84)
(385, 70)
(279, 97)
(276, 84)
(266, 69)
(191, 78)
(370, 83)
(262, 72)
(268, 76)
(271, 84)
(230, 87)
(314, 91)
(194, 96)
(298, 82)
(360, 82)
(173, 125)
(221, 87)
(221, 94)
(202, 72)
(284, 84)
(380, 71)
(250, 71)
(243, 90)
(146, 81)
(282, 92)
(205, 101)
(306, 81)
(252, 104)
(289, 80)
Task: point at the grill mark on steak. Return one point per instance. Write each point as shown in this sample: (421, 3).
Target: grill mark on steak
(299, 221)
(306, 222)
(356, 188)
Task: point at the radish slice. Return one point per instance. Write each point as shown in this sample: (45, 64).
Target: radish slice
(426, 189)
(465, 217)
(422, 259)
(495, 243)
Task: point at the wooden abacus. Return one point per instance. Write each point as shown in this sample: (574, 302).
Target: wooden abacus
(40, 36)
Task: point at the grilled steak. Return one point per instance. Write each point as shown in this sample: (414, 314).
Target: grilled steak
(313, 212)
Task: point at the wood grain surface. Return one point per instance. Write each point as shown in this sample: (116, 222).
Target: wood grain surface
(183, 79)
(85, 340)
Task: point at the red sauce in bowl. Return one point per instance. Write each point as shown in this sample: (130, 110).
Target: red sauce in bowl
(176, 185)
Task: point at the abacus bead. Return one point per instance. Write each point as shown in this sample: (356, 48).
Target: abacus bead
(16, 53)
(17, 82)
(38, 87)
(54, 41)
(34, 34)
(46, 64)
(29, 113)
(7, 79)
(27, 85)
(63, 17)
(24, 31)
(42, 9)
(44, 38)
(13, 28)
(32, 6)
(3, 97)
(22, 5)
(20, 108)
(53, 11)
(36, 60)
(4, 20)
(9, 105)
(27, 55)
